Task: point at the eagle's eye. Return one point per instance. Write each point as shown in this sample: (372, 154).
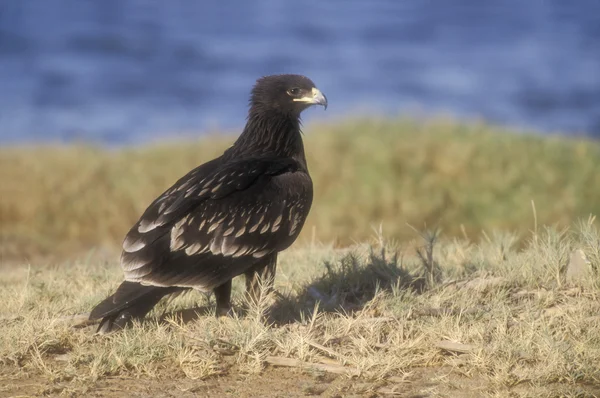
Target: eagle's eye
(294, 91)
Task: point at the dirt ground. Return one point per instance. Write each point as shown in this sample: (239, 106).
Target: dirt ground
(282, 382)
(272, 382)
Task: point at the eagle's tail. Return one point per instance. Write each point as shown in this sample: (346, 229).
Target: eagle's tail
(131, 301)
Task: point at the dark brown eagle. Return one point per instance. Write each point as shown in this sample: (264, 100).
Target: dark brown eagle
(227, 217)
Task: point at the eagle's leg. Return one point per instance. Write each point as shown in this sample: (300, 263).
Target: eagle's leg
(223, 297)
(261, 278)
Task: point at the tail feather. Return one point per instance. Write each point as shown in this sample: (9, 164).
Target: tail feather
(131, 301)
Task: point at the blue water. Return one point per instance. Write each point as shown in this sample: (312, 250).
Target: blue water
(131, 71)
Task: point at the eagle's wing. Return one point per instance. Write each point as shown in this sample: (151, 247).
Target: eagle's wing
(216, 222)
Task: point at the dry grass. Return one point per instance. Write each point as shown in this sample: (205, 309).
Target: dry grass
(438, 315)
(496, 319)
(59, 200)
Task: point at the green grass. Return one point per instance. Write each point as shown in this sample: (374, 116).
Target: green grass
(464, 178)
(496, 320)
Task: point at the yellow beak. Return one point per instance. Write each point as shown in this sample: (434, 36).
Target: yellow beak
(316, 98)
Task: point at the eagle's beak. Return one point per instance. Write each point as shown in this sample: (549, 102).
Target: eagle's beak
(317, 98)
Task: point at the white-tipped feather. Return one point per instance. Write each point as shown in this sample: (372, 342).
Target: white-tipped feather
(255, 226)
(215, 246)
(131, 246)
(241, 251)
(147, 226)
(229, 247)
(295, 224)
(265, 228)
(240, 232)
(193, 249)
(132, 264)
(260, 254)
(136, 275)
(215, 189)
(177, 241)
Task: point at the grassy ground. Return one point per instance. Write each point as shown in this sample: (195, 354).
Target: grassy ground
(464, 178)
(470, 313)
(453, 318)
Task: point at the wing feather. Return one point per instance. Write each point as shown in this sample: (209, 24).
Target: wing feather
(216, 222)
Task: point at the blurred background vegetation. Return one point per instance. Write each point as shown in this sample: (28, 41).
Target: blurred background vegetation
(368, 173)
(104, 104)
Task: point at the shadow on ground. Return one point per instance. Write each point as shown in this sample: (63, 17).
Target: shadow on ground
(347, 286)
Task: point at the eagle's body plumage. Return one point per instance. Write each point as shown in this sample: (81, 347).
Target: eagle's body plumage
(227, 217)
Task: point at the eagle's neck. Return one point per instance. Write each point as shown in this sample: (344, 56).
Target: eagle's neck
(270, 133)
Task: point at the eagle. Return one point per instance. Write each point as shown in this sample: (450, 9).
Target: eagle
(227, 217)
